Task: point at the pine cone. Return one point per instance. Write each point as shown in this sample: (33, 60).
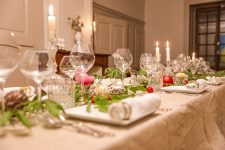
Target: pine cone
(14, 98)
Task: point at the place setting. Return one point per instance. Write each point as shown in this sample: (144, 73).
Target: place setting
(121, 97)
(93, 74)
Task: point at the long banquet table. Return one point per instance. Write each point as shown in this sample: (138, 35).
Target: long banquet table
(192, 122)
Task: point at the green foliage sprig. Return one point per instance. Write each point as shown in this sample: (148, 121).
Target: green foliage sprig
(10, 116)
(192, 76)
(113, 73)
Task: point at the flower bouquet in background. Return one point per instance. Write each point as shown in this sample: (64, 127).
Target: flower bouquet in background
(76, 23)
(194, 68)
(181, 79)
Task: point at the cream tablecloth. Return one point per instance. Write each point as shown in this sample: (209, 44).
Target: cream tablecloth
(195, 123)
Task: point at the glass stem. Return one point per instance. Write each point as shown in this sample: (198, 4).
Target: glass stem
(72, 91)
(82, 87)
(39, 91)
(123, 75)
(2, 95)
(50, 96)
(148, 79)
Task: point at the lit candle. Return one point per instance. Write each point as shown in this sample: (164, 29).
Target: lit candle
(193, 56)
(94, 26)
(51, 23)
(167, 51)
(157, 52)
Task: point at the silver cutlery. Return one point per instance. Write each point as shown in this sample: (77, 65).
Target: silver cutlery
(80, 127)
(85, 127)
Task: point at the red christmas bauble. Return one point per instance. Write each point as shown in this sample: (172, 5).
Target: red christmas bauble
(149, 89)
(167, 80)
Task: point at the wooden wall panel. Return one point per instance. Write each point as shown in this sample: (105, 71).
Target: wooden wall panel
(18, 16)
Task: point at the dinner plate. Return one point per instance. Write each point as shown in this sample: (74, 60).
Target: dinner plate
(213, 83)
(182, 89)
(96, 116)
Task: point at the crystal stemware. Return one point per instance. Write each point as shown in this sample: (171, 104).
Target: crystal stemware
(53, 85)
(67, 68)
(153, 69)
(123, 60)
(9, 57)
(148, 63)
(34, 66)
(82, 59)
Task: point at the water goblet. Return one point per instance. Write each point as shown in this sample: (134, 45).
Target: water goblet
(82, 59)
(34, 66)
(152, 67)
(148, 63)
(123, 60)
(67, 68)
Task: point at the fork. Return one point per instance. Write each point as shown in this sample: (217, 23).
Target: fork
(85, 127)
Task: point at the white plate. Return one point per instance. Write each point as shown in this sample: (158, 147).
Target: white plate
(182, 89)
(211, 83)
(96, 116)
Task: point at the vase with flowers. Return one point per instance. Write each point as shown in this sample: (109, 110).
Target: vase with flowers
(76, 25)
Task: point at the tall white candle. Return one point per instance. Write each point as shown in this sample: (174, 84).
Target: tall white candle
(167, 51)
(51, 23)
(157, 52)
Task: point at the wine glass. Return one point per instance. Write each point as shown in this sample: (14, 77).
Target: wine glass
(148, 63)
(9, 59)
(82, 59)
(34, 66)
(153, 69)
(123, 60)
(67, 68)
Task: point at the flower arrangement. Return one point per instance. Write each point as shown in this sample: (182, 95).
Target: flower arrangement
(76, 23)
(195, 68)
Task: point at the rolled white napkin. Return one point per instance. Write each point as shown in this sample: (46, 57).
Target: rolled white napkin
(134, 107)
(198, 84)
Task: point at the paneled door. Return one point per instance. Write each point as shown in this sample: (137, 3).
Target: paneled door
(111, 34)
(18, 17)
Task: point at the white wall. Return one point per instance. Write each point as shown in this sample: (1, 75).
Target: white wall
(133, 8)
(27, 18)
(72, 8)
(169, 21)
(164, 21)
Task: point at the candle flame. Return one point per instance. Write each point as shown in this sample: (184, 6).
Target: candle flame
(51, 10)
(167, 44)
(157, 44)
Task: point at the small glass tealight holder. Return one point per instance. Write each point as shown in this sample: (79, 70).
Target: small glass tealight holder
(67, 96)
